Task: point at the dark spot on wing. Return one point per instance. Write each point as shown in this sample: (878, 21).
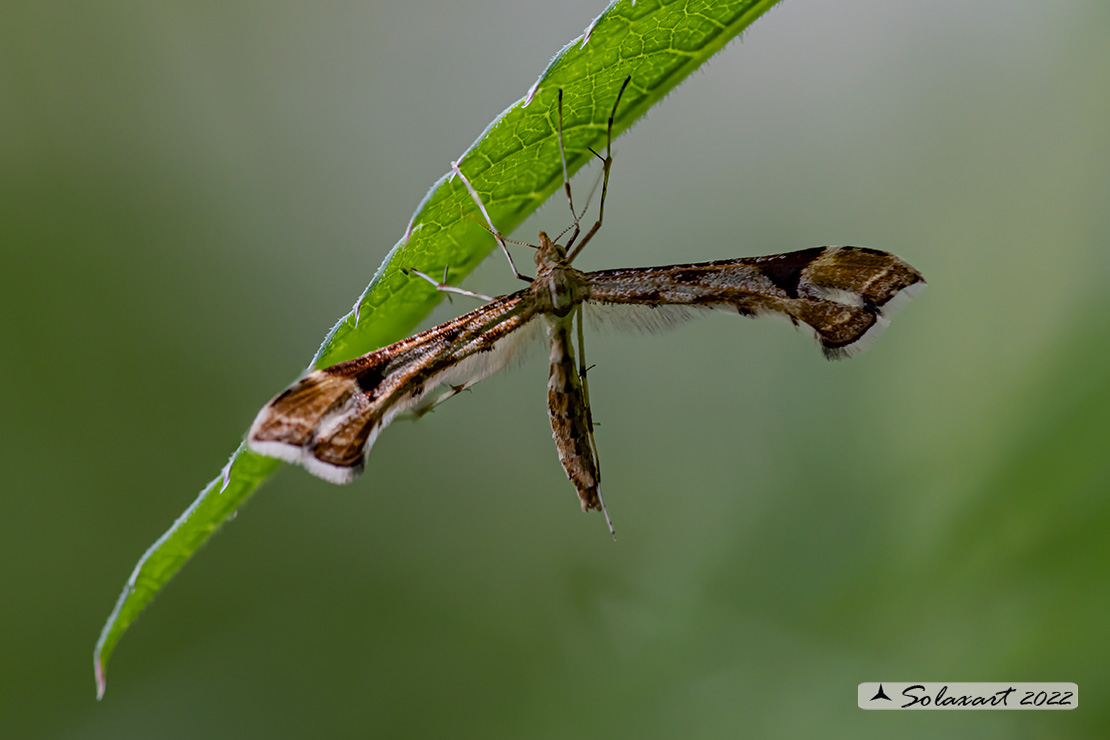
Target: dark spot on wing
(688, 275)
(705, 300)
(785, 270)
(370, 378)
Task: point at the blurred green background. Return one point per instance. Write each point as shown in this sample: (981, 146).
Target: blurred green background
(192, 193)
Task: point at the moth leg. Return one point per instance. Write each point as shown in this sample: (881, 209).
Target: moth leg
(588, 410)
(566, 177)
(608, 160)
(493, 229)
(444, 287)
(582, 370)
(429, 406)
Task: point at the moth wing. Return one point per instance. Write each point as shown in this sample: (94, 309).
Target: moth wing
(845, 295)
(328, 420)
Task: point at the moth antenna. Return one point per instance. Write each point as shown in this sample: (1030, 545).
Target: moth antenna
(471, 217)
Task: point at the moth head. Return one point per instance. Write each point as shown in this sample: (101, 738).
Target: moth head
(549, 253)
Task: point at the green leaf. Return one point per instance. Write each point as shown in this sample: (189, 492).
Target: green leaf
(514, 166)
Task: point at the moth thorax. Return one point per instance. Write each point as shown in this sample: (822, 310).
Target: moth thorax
(565, 290)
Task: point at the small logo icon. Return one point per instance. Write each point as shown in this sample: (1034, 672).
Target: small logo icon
(880, 694)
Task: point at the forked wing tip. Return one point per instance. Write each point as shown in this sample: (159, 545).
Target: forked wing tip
(882, 321)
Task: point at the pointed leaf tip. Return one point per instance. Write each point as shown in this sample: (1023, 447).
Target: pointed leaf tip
(101, 679)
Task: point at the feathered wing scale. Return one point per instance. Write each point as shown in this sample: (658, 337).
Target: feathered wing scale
(328, 420)
(844, 294)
